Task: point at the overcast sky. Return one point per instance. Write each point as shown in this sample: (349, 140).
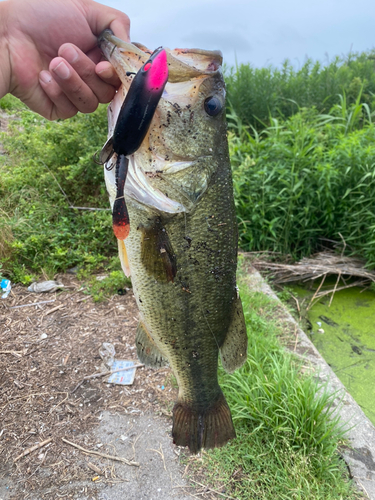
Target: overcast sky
(261, 32)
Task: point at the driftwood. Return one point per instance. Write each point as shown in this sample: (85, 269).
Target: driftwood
(320, 265)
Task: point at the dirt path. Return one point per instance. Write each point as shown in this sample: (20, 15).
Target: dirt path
(45, 351)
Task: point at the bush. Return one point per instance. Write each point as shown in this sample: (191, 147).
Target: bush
(50, 168)
(257, 94)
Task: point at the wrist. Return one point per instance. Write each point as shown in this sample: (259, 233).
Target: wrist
(5, 66)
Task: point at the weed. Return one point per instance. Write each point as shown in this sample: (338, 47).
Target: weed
(11, 104)
(6, 238)
(48, 170)
(106, 286)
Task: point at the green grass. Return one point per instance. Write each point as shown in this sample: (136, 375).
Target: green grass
(287, 437)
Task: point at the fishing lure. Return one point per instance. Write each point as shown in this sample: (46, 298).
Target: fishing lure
(132, 125)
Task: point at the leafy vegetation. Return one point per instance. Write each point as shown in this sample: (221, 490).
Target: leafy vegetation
(48, 170)
(259, 94)
(103, 287)
(309, 177)
(303, 156)
(287, 436)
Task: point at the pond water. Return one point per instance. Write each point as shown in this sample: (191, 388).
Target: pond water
(346, 339)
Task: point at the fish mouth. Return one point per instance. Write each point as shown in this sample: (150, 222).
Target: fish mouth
(187, 70)
(156, 167)
(183, 64)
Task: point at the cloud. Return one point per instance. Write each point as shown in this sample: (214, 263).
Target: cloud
(227, 41)
(260, 32)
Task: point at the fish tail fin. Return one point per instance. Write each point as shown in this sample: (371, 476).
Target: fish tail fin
(208, 427)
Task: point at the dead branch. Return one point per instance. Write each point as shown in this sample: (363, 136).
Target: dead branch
(18, 354)
(104, 455)
(323, 263)
(33, 448)
(54, 309)
(90, 208)
(334, 290)
(103, 374)
(161, 453)
(95, 468)
(82, 299)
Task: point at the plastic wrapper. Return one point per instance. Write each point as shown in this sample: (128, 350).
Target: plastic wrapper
(5, 286)
(45, 286)
(107, 352)
(122, 378)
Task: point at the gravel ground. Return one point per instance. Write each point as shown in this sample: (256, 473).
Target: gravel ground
(46, 350)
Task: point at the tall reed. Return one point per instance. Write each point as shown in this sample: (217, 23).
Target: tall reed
(258, 93)
(309, 177)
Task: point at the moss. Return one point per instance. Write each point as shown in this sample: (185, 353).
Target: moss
(348, 341)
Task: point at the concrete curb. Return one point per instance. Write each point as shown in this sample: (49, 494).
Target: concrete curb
(360, 457)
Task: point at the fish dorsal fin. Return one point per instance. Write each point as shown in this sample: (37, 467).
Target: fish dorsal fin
(233, 352)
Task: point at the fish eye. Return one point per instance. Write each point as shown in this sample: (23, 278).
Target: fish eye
(212, 106)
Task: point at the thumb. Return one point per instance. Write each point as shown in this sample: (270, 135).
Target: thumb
(101, 17)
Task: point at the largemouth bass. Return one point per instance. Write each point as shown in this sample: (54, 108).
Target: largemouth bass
(181, 251)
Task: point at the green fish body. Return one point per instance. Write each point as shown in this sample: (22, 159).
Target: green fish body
(181, 251)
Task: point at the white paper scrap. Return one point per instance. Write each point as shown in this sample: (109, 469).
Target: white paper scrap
(122, 378)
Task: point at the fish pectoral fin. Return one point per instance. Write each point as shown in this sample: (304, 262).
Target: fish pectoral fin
(233, 352)
(157, 254)
(147, 351)
(123, 258)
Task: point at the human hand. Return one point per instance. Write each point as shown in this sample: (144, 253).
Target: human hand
(51, 60)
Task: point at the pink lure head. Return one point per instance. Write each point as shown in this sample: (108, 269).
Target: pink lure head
(157, 69)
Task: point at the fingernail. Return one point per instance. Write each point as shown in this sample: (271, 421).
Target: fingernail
(62, 71)
(45, 77)
(70, 54)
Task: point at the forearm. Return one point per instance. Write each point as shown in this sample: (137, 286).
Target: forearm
(5, 67)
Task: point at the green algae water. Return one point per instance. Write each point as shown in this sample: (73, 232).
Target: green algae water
(344, 334)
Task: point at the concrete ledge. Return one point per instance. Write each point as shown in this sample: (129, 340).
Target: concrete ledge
(360, 456)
